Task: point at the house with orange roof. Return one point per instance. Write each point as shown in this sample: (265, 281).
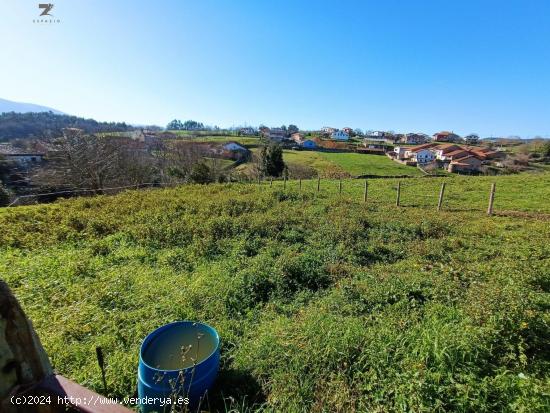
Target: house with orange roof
(467, 164)
(446, 136)
(442, 150)
(414, 138)
(455, 158)
(486, 153)
(455, 155)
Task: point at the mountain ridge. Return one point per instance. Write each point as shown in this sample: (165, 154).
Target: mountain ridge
(23, 107)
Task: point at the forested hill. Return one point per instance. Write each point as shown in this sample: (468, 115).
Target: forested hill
(48, 124)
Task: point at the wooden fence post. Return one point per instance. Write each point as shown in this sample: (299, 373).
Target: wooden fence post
(366, 190)
(491, 199)
(101, 363)
(300, 183)
(284, 183)
(441, 192)
(398, 193)
(318, 183)
(340, 186)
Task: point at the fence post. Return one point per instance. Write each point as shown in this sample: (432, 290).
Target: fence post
(318, 183)
(398, 193)
(284, 182)
(366, 190)
(270, 181)
(340, 186)
(300, 184)
(441, 192)
(101, 363)
(491, 199)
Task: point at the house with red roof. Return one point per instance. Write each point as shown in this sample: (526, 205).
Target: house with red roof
(466, 164)
(446, 136)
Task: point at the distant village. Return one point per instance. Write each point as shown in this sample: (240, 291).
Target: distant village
(73, 157)
(443, 150)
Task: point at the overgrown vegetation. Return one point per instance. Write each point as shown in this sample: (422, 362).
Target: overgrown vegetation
(323, 303)
(47, 125)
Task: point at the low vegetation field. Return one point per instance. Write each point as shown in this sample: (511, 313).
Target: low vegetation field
(357, 164)
(314, 160)
(323, 303)
(223, 163)
(335, 164)
(205, 137)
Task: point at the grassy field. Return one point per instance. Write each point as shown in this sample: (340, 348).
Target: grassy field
(302, 164)
(334, 164)
(323, 303)
(223, 163)
(363, 164)
(205, 137)
(313, 160)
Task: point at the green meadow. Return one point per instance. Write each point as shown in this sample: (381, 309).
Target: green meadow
(324, 303)
(357, 164)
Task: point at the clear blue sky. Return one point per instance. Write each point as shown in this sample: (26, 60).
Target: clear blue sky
(426, 65)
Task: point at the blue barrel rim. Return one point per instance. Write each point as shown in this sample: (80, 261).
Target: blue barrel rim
(151, 335)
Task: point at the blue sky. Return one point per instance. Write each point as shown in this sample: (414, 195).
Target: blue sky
(427, 65)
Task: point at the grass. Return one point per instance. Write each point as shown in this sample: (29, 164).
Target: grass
(308, 163)
(205, 137)
(365, 164)
(323, 302)
(313, 160)
(223, 163)
(335, 164)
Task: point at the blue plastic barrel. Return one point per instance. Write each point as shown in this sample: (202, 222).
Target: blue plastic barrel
(177, 360)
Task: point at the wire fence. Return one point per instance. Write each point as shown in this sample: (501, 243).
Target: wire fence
(19, 200)
(440, 194)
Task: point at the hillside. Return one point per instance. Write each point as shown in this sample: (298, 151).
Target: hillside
(322, 302)
(308, 164)
(357, 164)
(48, 124)
(19, 107)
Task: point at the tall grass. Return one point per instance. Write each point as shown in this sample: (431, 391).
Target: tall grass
(322, 302)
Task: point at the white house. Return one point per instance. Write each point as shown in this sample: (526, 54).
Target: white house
(247, 130)
(327, 129)
(423, 156)
(441, 151)
(376, 134)
(414, 138)
(339, 135)
(400, 152)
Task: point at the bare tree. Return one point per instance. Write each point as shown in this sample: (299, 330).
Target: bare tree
(83, 161)
(176, 159)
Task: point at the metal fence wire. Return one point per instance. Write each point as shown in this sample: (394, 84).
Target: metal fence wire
(401, 193)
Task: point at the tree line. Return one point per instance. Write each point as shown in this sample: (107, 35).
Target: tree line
(48, 125)
(177, 124)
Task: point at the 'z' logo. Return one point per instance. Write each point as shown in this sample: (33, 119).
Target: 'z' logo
(47, 8)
